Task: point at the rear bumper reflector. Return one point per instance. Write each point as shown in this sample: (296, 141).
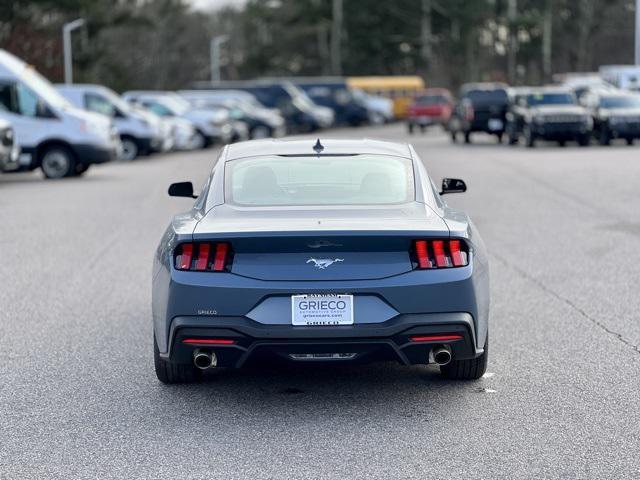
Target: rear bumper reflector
(208, 341)
(435, 338)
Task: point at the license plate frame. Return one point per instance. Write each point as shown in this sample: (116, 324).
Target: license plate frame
(321, 310)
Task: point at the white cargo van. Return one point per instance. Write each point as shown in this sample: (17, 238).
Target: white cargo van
(53, 134)
(137, 134)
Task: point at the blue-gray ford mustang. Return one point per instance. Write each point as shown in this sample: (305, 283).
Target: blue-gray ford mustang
(320, 251)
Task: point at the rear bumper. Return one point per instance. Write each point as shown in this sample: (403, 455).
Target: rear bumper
(391, 340)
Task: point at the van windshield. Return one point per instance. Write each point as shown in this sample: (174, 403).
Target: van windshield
(305, 181)
(43, 88)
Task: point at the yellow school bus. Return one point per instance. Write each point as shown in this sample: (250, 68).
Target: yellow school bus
(400, 89)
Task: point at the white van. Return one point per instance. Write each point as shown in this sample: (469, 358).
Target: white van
(137, 134)
(53, 134)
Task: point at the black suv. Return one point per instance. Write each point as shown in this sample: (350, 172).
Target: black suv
(615, 115)
(553, 113)
(482, 107)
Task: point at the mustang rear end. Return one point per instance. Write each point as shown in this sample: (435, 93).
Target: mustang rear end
(344, 254)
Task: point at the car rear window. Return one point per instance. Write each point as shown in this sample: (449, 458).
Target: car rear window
(431, 100)
(336, 180)
(487, 96)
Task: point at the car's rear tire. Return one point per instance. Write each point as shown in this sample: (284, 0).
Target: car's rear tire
(168, 372)
(467, 369)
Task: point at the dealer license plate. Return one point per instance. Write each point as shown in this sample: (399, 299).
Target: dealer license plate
(322, 310)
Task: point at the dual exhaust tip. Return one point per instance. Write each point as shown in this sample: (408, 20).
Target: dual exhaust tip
(204, 359)
(441, 355)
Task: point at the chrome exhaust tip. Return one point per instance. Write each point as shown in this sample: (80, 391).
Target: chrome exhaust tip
(441, 355)
(204, 359)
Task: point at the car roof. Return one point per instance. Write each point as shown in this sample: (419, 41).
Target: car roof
(331, 146)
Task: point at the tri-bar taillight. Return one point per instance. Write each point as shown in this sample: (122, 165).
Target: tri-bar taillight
(441, 253)
(203, 256)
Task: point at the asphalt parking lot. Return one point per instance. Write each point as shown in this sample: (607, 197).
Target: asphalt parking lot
(79, 398)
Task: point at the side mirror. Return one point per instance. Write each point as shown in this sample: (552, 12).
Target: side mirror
(43, 111)
(182, 189)
(453, 185)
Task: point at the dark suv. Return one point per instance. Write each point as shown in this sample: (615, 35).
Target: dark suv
(482, 107)
(615, 115)
(553, 113)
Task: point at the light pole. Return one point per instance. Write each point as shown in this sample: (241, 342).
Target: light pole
(214, 51)
(67, 28)
(637, 49)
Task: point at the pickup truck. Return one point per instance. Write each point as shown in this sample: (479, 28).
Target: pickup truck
(431, 107)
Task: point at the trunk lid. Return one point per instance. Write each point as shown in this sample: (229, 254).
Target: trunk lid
(290, 244)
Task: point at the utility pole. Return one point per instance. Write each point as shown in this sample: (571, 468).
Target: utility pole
(336, 38)
(214, 52)
(67, 28)
(637, 59)
(425, 32)
(512, 11)
(547, 32)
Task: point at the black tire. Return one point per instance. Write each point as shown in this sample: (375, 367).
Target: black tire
(584, 140)
(529, 137)
(467, 369)
(467, 137)
(57, 161)
(562, 143)
(168, 372)
(81, 168)
(604, 138)
(629, 141)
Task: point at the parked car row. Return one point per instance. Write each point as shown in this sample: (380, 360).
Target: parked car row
(559, 113)
(64, 129)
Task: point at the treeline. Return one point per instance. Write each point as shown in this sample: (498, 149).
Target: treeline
(165, 44)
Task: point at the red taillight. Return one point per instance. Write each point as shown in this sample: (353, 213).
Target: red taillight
(203, 256)
(183, 259)
(435, 338)
(422, 254)
(208, 341)
(441, 253)
(221, 257)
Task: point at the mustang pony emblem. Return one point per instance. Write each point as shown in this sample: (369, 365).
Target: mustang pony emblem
(323, 263)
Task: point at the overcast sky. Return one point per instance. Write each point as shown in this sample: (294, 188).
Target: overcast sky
(214, 4)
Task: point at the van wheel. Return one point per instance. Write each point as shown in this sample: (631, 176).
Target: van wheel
(57, 162)
(130, 149)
